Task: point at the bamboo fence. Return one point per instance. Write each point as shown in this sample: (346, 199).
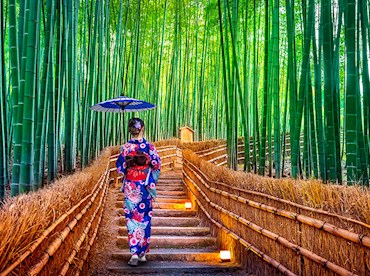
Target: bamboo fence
(292, 237)
(272, 226)
(62, 247)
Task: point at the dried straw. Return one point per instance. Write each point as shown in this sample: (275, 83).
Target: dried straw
(247, 245)
(24, 219)
(330, 238)
(352, 202)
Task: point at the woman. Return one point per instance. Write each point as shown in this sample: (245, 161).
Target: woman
(140, 164)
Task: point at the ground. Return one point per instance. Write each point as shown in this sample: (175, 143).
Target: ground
(101, 254)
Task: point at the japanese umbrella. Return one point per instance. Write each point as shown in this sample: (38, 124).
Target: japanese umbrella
(122, 104)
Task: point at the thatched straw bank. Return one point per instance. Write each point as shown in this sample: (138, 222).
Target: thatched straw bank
(290, 227)
(31, 223)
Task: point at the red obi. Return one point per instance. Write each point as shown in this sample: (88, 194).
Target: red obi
(137, 173)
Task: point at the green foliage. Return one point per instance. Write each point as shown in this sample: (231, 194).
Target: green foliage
(226, 68)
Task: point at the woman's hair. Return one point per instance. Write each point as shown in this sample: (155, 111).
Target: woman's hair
(135, 125)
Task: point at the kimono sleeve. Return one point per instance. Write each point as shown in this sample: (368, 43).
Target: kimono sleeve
(155, 160)
(121, 162)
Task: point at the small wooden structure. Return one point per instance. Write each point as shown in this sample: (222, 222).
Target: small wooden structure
(186, 134)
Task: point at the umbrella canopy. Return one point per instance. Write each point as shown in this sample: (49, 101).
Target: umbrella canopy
(122, 104)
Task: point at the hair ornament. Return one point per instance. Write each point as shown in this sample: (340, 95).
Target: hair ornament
(137, 125)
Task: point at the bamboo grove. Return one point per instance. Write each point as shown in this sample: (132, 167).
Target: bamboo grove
(268, 70)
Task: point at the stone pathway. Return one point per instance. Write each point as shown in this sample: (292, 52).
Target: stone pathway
(180, 242)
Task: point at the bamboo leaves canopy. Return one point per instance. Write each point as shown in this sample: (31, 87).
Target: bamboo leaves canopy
(269, 71)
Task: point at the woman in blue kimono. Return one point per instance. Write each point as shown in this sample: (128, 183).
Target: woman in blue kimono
(140, 164)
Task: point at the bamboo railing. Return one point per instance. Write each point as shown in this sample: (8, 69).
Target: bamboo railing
(278, 236)
(218, 154)
(55, 251)
(293, 238)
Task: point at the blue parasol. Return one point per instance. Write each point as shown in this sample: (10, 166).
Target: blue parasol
(122, 104)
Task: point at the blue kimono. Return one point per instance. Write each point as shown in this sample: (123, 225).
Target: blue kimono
(140, 164)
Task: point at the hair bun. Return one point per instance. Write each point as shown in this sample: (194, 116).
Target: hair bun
(135, 125)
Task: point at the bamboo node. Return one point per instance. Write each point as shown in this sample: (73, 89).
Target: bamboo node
(295, 216)
(71, 230)
(322, 226)
(325, 263)
(361, 237)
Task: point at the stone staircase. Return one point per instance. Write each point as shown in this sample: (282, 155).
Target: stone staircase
(180, 243)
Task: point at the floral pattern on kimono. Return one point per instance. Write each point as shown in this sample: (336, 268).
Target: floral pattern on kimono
(139, 193)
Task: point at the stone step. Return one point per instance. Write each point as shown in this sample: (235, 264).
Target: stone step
(171, 188)
(185, 196)
(177, 268)
(166, 184)
(168, 221)
(174, 231)
(171, 177)
(172, 241)
(170, 183)
(169, 254)
(168, 205)
(172, 200)
(174, 213)
(171, 193)
(170, 180)
(167, 213)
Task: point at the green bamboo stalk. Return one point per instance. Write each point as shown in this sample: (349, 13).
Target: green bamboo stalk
(52, 138)
(69, 67)
(158, 75)
(336, 86)
(308, 28)
(351, 99)
(14, 63)
(262, 150)
(58, 84)
(365, 25)
(200, 96)
(33, 42)
(318, 104)
(246, 102)
(329, 97)
(256, 136)
(292, 73)
(41, 116)
(225, 89)
(276, 90)
(312, 129)
(3, 111)
(91, 88)
(195, 74)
